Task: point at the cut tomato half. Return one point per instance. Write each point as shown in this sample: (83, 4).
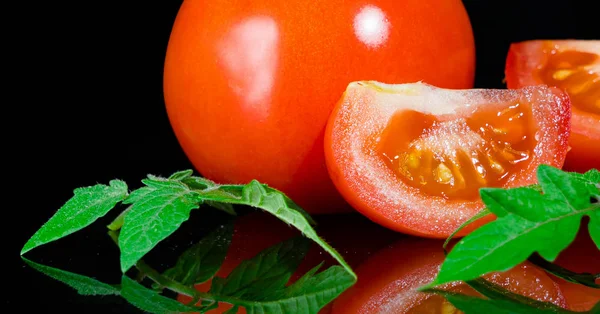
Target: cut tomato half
(574, 66)
(412, 157)
(416, 262)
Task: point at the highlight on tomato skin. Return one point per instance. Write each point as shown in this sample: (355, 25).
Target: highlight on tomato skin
(243, 111)
(413, 262)
(257, 231)
(412, 157)
(574, 66)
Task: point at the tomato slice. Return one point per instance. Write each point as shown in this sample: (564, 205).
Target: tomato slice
(574, 66)
(412, 157)
(415, 263)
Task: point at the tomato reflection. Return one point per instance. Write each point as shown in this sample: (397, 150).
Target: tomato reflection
(390, 266)
(387, 281)
(582, 256)
(345, 232)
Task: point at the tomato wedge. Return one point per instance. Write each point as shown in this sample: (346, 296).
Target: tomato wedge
(415, 263)
(412, 157)
(573, 65)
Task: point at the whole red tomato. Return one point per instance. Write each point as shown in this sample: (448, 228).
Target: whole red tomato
(249, 85)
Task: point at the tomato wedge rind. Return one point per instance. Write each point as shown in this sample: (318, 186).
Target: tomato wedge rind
(412, 157)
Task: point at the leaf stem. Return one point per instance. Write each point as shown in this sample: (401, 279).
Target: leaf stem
(167, 282)
(179, 288)
(484, 212)
(586, 279)
(118, 222)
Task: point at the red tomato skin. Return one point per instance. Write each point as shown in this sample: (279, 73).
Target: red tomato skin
(522, 60)
(367, 198)
(249, 85)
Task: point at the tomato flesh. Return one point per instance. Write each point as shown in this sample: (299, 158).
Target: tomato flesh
(412, 157)
(575, 72)
(454, 157)
(573, 66)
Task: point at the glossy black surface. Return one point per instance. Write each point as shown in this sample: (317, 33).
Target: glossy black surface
(86, 103)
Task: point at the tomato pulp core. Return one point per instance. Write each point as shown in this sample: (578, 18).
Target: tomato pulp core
(454, 156)
(573, 72)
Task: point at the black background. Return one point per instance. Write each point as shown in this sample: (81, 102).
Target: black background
(86, 106)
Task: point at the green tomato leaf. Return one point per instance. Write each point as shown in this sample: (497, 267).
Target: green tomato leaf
(484, 212)
(232, 310)
(475, 305)
(594, 227)
(528, 221)
(275, 202)
(308, 296)
(228, 208)
(86, 206)
(595, 309)
(265, 273)
(118, 222)
(198, 183)
(202, 261)
(260, 196)
(592, 175)
(157, 211)
(585, 279)
(495, 292)
(181, 175)
(496, 300)
(151, 301)
(83, 284)
(592, 180)
(258, 284)
(320, 288)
